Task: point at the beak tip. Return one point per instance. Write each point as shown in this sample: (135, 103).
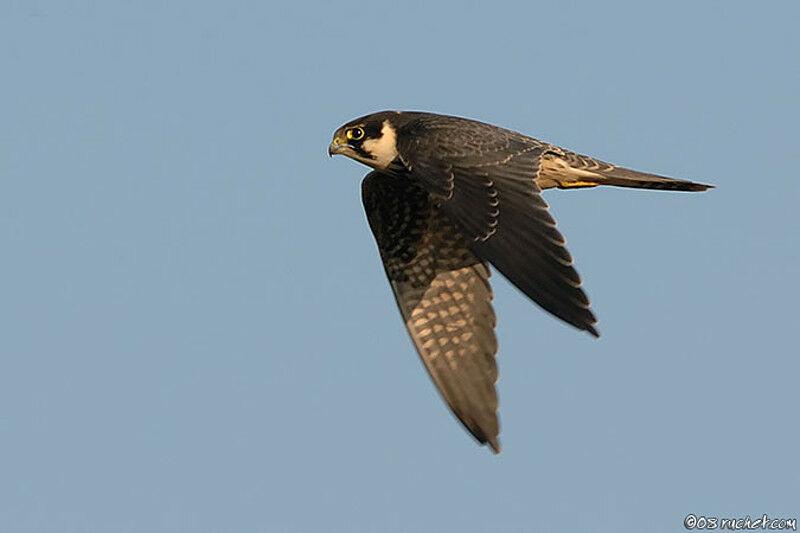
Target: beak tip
(334, 149)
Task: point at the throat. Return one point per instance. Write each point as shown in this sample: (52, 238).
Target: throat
(383, 150)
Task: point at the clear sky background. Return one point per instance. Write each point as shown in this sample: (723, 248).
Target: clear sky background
(196, 333)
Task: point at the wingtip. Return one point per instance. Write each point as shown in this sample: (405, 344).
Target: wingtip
(495, 445)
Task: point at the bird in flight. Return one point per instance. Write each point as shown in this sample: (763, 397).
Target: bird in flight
(447, 197)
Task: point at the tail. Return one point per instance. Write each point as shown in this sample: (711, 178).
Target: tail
(623, 177)
(567, 170)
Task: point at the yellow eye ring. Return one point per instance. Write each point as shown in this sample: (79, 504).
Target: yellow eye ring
(354, 134)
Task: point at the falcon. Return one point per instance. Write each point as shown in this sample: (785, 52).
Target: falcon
(449, 196)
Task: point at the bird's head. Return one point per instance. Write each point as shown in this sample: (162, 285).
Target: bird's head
(371, 140)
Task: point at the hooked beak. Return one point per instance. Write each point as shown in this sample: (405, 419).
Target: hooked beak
(338, 145)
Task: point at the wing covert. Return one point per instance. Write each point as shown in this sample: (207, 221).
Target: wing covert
(484, 179)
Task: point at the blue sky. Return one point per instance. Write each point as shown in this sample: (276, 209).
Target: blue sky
(196, 333)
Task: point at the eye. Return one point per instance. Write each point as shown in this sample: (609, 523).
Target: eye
(354, 134)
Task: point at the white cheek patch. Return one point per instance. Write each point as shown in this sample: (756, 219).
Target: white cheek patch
(384, 148)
